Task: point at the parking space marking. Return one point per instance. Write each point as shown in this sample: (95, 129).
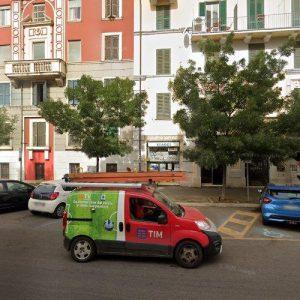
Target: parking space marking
(247, 224)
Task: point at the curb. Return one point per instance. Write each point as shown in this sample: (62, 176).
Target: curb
(221, 204)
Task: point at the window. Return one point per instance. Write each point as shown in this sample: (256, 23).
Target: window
(163, 106)
(4, 94)
(254, 49)
(39, 171)
(4, 16)
(38, 50)
(17, 187)
(4, 170)
(39, 12)
(72, 142)
(107, 81)
(144, 210)
(297, 56)
(72, 84)
(39, 134)
(74, 10)
(5, 53)
(295, 13)
(163, 17)
(255, 14)
(74, 51)
(112, 47)
(163, 61)
(39, 92)
(212, 16)
(111, 168)
(112, 9)
(74, 168)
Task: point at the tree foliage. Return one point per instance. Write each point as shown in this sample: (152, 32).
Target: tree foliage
(233, 110)
(7, 126)
(101, 110)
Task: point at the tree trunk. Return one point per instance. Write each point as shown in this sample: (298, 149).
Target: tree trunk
(224, 183)
(97, 164)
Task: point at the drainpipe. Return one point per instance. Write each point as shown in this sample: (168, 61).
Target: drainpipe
(22, 135)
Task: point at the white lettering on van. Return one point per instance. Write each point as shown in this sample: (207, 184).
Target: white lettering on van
(155, 234)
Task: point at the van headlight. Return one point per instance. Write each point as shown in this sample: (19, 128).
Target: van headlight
(206, 225)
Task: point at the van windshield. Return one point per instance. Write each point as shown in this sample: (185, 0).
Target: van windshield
(172, 205)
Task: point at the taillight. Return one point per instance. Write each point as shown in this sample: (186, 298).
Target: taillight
(65, 219)
(267, 200)
(53, 196)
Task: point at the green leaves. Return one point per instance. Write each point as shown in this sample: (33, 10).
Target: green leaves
(101, 110)
(226, 108)
(7, 126)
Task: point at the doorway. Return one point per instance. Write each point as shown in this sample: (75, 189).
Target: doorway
(212, 176)
(39, 171)
(259, 173)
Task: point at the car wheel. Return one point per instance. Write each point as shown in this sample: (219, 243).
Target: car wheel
(189, 254)
(59, 211)
(83, 249)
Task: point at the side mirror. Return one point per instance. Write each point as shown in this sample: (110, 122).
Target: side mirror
(162, 219)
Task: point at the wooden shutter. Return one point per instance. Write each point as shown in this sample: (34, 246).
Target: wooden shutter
(295, 13)
(163, 61)
(45, 91)
(107, 8)
(235, 17)
(297, 56)
(202, 9)
(35, 134)
(34, 94)
(254, 49)
(163, 106)
(223, 15)
(163, 17)
(41, 134)
(115, 8)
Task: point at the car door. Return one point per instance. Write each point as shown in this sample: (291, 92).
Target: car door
(144, 235)
(19, 193)
(4, 197)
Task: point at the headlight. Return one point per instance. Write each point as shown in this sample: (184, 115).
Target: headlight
(206, 225)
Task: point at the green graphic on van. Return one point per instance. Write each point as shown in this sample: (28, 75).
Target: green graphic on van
(93, 213)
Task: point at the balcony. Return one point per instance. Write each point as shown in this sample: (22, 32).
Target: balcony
(46, 69)
(261, 26)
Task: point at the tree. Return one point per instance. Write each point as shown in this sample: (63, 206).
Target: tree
(101, 110)
(7, 126)
(229, 108)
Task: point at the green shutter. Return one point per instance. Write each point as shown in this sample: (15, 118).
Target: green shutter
(254, 49)
(34, 134)
(223, 15)
(163, 17)
(235, 17)
(297, 56)
(295, 13)
(163, 106)
(255, 10)
(34, 94)
(163, 61)
(45, 91)
(41, 134)
(202, 9)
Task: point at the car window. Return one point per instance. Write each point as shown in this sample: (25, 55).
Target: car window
(172, 205)
(16, 187)
(144, 210)
(44, 189)
(282, 194)
(68, 188)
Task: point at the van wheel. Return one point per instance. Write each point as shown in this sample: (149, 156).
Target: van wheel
(188, 254)
(83, 249)
(59, 211)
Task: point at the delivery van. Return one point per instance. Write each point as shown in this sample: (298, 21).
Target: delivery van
(131, 219)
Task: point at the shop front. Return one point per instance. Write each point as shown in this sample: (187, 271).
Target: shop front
(163, 156)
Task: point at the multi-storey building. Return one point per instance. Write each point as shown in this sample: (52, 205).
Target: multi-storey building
(166, 36)
(46, 45)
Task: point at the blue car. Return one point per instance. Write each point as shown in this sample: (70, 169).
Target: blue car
(280, 204)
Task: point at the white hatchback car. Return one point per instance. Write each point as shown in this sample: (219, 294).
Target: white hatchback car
(49, 197)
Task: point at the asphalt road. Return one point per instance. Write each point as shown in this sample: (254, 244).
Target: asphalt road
(34, 265)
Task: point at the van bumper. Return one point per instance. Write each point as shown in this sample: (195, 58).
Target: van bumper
(67, 243)
(215, 243)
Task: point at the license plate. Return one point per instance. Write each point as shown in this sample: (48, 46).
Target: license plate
(39, 204)
(292, 222)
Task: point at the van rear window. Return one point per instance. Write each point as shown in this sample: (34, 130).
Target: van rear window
(282, 194)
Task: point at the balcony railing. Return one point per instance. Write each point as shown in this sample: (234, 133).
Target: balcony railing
(259, 22)
(30, 69)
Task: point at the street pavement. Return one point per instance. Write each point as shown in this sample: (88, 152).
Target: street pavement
(257, 262)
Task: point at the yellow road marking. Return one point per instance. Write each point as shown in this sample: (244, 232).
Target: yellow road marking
(233, 219)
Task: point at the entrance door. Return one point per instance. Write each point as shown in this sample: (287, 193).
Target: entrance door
(39, 171)
(212, 176)
(144, 236)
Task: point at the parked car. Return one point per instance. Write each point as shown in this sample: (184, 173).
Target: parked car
(280, 204)
(49, 197)
(14, 194)
(136, 222)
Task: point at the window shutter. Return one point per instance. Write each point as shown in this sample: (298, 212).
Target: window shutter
(254, 49)
(295, 13)
(202, 9)
(163, 17)
(35, 134)
(297, 56)
(223, 14)
(159, 61)
(45, 91)
(41, 134)
(163, 107)
(115, 8)
(6, 94)
(34, 94)
(107, 8)
(163, 61)
(235, 17)
(4, 170)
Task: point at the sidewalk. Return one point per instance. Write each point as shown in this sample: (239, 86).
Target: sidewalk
(210, 194)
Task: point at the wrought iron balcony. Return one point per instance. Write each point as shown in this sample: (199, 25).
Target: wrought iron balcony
(46, 69)
(283, 24)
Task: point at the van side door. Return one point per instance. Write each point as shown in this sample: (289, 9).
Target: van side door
(145, 234)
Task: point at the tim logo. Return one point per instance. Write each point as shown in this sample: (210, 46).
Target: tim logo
(141, 233)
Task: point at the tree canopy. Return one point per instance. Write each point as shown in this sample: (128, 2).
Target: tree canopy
(101, 109)
(236, 111)
(7, 126)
